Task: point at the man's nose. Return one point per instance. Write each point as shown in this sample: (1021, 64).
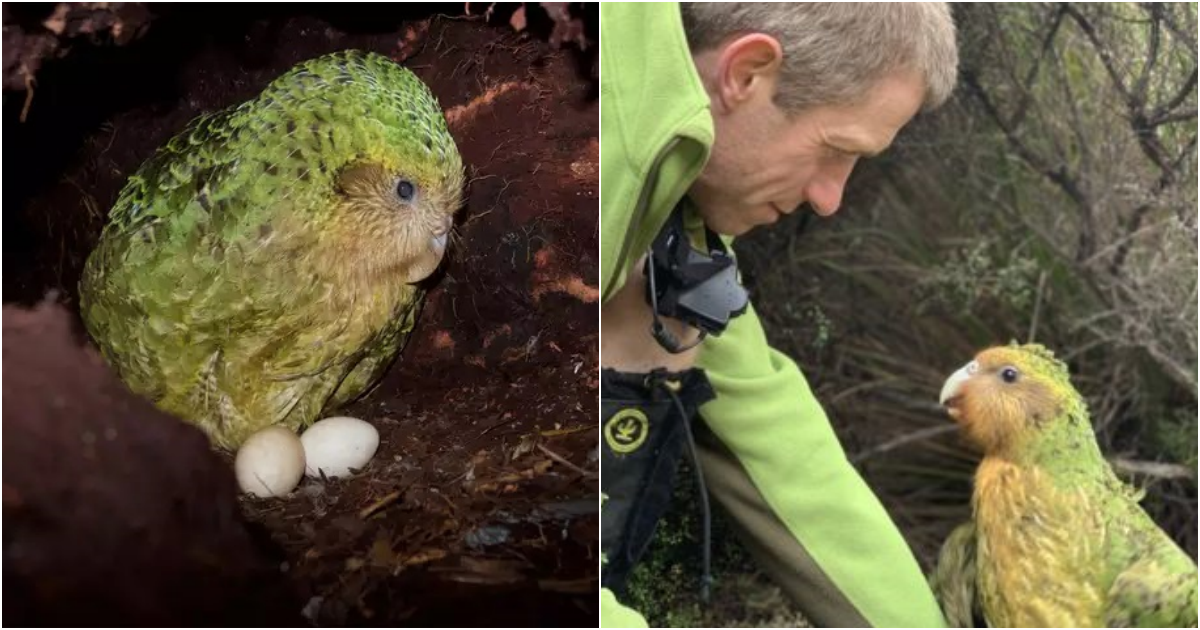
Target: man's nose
(825, 192)
(825, 197)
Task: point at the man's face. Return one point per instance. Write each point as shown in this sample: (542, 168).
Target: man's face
(765, 164)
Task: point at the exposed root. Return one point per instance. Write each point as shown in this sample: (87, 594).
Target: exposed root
(29, 82)
(571, 285)
(379, 505)
(462, 113)
(562, 460)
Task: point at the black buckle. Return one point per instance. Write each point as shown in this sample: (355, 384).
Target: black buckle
(699, 288)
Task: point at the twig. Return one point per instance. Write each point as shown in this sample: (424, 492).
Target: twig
(559, 432)
(478, 216)
(379, 505)
(915, 436)
(1022, 108)
(498, 424)
(562, 460)
(1037, 308)
(1157, 470)
(28, 94)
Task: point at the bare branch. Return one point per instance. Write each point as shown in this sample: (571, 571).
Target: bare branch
(1143, 81)
(1157, 470)
(1103, 51)
(1173, 117)
(1059, 173)
(1027, 92)
(908, 438)
(1188, 151)
(1187, 37)
(1158, 116)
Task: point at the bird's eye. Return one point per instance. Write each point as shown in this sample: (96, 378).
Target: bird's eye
(1009, 374)
(406, 190)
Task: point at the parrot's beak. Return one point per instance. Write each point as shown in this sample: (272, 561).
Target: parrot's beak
(951, 389)
(441, 236)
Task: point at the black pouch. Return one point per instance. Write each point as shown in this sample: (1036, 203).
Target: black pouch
(644, 435)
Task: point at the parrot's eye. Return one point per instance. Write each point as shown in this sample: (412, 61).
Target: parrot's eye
(405, 190)
(1009, 374)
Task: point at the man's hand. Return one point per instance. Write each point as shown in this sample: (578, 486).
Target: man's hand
(626, 344)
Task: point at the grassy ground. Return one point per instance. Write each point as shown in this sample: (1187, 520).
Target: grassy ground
(665, 587)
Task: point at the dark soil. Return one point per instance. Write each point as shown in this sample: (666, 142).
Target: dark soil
(481, 505)
(97, 478)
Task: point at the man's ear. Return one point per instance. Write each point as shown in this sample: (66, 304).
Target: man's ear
(748, 70)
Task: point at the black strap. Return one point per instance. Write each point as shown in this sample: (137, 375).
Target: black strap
(698, 288)
(658, 329)
(706, 510)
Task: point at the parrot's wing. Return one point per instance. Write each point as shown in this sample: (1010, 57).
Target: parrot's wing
(954, 579)
(1152, 594)
(179, 178)
(230, 413)
(379, 356)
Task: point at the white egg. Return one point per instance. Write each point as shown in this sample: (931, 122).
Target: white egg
(270, 463)
(335, 445)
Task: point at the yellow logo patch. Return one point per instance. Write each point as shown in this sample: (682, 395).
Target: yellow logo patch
(626, 430)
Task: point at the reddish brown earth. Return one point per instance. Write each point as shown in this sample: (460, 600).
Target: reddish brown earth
(97, 478)
(481, 506)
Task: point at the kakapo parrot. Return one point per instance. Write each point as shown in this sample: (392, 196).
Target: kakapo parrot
(259, 268)
(1056, 539)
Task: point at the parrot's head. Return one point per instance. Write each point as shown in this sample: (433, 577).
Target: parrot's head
(1009, 394)
(389, 175)
(401, 213)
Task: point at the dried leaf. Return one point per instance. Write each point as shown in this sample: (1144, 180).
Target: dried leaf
(425, 556)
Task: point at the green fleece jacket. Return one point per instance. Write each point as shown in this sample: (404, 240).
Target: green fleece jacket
(656, 134)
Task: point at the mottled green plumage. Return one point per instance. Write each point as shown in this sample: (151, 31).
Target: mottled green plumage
(257, 269)
(1056, 539)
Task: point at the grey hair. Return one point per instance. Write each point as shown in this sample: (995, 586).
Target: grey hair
(835, 52)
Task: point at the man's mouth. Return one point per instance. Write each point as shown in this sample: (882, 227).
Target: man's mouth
(791, 209)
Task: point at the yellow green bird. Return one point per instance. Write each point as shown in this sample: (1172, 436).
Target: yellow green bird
(259, 269)
(1056, 539)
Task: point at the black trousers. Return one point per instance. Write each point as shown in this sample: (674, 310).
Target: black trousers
(645, 433)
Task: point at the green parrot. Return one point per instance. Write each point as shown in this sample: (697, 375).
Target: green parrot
(259, 269)
(1056, 539)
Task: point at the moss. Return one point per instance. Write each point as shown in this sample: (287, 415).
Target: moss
(665, 586)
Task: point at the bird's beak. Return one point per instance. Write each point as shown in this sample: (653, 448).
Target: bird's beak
(951, 389)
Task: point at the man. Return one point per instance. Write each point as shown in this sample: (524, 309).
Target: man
(718, 118)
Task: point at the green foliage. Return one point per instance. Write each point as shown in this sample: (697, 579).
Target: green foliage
(979, 274)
